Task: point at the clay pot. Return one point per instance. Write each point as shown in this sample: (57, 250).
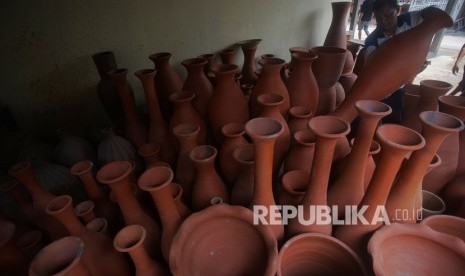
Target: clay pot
(301, 85)
(336, 35)
(197, 82)
(249, 47)
(394, 52)
(318, 254)
(327, 130)
(208, 183)
(106, 89)
(243, 188)
(242, 248)
(227, 55)
(150, 152)
(327, 69)
(263, 132)
(270, 81)
(431, 204)
(117, 176)
(208, 68)
(233, 137)
(294, 184)
(157, 181)
(60, 258)
(99, 225)
(228, 104)
(300, 156)
(347, 82)
(349, 186)
(176, 193)
(396, 142)
(415, 249)
(167, 82)
(340, 93)
(98, 247)
(134, 130)
(298, 118)
(436, 127)
(40, 198)
(130, 239)
(31, 242)
(158, 132)
(72, 149)
(114, 148)
(12, 260)
(85, 211)
(446, 224)
(290, 66)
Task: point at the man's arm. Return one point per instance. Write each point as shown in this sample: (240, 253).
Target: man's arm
(455, 68)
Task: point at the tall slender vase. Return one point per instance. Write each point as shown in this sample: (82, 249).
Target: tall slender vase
(396, 142)
(167, 82)
(158, 132)
(328, 130)
(388, 64)
(130, 240)
(405, 194)
(157, 181)
(40, 198)
(134, 130)
(233, 137)
(302, 85)
(106, 89)
(336, 35)
(117, 175)
(99, 257)
(198, 83)
(300, 155)
(242, 190)
(228, 104)
(327, 69)
(208, 184)
(293, 184)
(249, 47)
(270, 81)
(263, 132)
(349, 188)
(298, 118)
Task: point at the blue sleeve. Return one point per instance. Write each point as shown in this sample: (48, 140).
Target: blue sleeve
(372, 39)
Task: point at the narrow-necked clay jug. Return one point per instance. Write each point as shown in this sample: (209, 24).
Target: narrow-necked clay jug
(300, 155)
(233, 137)
(243, 186)
(298, 118)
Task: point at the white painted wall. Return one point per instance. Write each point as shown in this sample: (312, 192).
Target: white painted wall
(48, 76)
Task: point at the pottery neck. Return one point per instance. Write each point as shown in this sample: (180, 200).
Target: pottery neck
(124, 196)
(26, 177)
(91, 186)
(65, 214)
(147, 79)
(105, 62)
(195, 67)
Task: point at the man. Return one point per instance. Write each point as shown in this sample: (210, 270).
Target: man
(364, 16)
(455, 70)
(390, 24)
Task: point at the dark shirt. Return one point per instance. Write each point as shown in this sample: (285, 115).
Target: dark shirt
(367, 9)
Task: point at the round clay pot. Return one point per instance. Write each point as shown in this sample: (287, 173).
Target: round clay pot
(446, 224)
(318, 254)
(223, 240)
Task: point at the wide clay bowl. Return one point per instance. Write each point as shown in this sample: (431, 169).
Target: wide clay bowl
(446, 224)
(317, 254)
(416, 249)
(223, 240)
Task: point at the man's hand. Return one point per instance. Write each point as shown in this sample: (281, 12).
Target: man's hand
(455, 69)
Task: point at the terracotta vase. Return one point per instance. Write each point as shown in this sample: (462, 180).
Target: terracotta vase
(184, 112)
(130, 240)
(63, 257)
(249, 47)
(347, 82)
(176, 193)
(397, 50)
(247, 90)
(270, 104)
(134, 130)
(113, 147)
(416, 250)
(411, 99)
(72, 149)
(208, 183)
(197, 82)
(349, 186)
(167, 82)
(40, 198)
(106, 89)
(157, 181)
(300, 155)
(318, 254)
(208, 68)
(99, 225)
(336, 35)
(103, 206)
(158, 132)
(26, 209)
(446, 224)
(294, 184)
(436, 127)
(243, 186)
(186, 134)
(430, 90)
(228, 104)
(340, 93)
(233, 137)
(432, 204)
(227, 55)
(327, 69)
(264, 132)
(12, 260)
(150, 152)
(229, 235)
(302, 85)
(298, 118)
(396, 142)
(270, 81)
(290, 66)
(85, 211)
(31, 242)
(98, 247)
(117, 176)
(328, 130)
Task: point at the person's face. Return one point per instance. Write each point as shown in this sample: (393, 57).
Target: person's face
(386, 17)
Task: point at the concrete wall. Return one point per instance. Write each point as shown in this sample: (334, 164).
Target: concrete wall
(48, 76)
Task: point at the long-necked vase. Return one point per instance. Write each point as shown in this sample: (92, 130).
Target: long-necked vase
(243, 186)
(233, 137)
(249, 47)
